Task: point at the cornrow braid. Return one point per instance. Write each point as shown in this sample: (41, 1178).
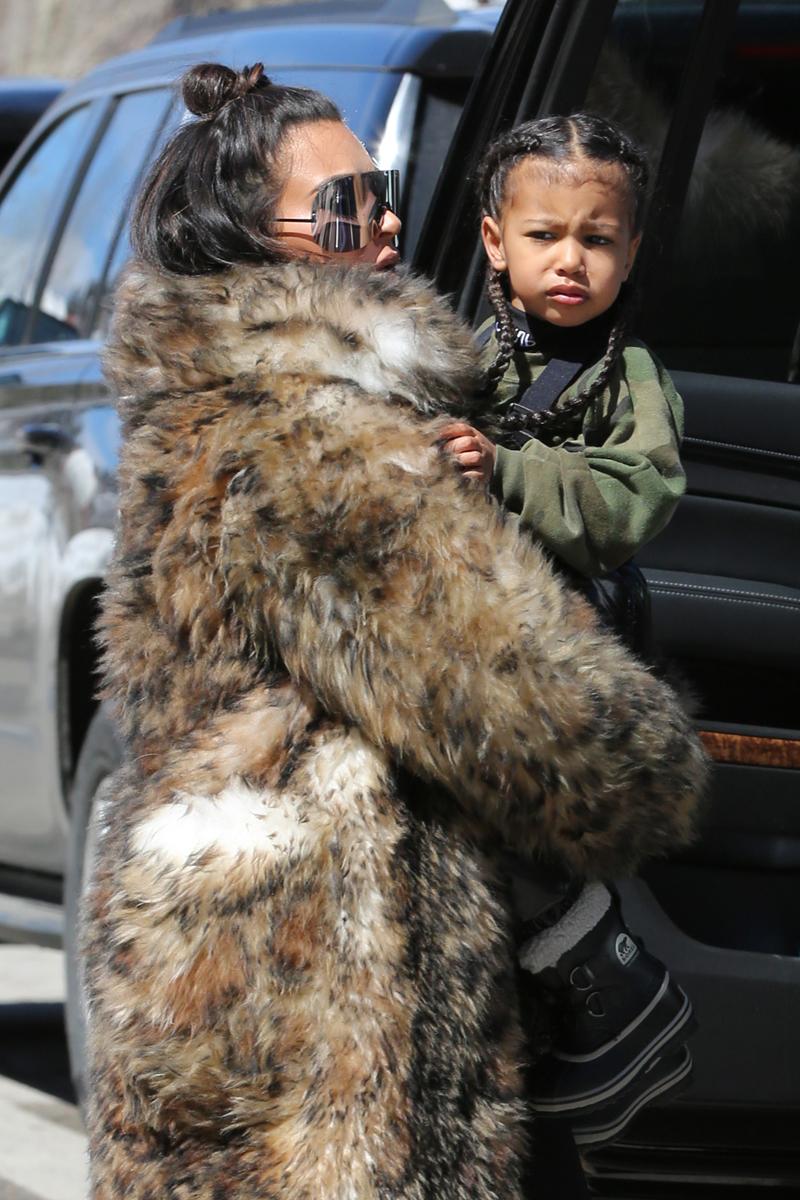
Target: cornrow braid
(506, 331)
(499, 161)
(562, 140)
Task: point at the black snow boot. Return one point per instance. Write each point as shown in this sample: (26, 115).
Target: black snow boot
(616, 1010)
(661, 1077)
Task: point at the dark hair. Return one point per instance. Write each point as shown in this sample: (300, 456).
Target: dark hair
(209, 199)
(565, 140)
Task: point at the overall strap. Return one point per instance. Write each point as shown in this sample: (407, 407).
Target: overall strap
(551, 383)
(556, 377)
(483, 335)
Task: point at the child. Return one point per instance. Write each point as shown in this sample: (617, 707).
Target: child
(589, 429)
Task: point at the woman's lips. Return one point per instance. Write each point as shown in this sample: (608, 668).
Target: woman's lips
(387, 258)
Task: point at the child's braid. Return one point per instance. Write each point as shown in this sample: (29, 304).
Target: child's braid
(500, 159)
(561, 418)
(506, 330)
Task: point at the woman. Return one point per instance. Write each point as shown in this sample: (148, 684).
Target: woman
(347, 685)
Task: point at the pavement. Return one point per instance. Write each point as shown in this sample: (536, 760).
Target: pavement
(42, 1143)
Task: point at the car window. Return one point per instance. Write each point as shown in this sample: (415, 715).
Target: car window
(439, 108)
(69, 298)
(730, 304)
(121, 251)
(119, 256)
(640, 67)
(722, 299)
(27, 213)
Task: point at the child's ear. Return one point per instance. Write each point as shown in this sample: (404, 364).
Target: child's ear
(493, 243)
(633, 249)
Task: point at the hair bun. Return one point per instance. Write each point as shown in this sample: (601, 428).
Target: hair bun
(208, 87)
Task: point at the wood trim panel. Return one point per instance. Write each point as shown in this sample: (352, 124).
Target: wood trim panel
(752, 751)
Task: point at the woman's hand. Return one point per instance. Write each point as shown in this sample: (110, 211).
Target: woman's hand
(473, 452)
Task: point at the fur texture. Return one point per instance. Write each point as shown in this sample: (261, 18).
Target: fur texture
(744, 181)
(346, 683)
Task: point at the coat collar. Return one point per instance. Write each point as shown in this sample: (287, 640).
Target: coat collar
(387, 333)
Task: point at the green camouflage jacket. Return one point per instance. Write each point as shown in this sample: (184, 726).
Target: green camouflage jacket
(594, 498)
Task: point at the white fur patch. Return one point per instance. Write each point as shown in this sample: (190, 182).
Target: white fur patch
(344, 768)
(238, 820)
(347, 772)
(396, 341)
(415, 464)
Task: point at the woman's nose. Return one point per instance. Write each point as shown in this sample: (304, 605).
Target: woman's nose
(390, 223)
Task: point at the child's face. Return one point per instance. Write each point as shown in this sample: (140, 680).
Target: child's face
(565, 239)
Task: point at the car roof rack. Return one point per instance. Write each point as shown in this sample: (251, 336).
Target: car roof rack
(347, 12)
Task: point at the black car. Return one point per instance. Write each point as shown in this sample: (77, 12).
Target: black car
(713, 88)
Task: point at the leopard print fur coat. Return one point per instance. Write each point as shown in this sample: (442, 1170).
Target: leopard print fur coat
(347, 683)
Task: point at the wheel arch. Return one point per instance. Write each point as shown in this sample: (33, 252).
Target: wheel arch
(78, 673)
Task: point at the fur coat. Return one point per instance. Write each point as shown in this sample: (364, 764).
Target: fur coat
(347, 683)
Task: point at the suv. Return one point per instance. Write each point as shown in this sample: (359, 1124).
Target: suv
(711, 86)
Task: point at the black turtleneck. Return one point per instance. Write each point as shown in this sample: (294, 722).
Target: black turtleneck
(585, 343)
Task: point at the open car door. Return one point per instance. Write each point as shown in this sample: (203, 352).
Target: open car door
(713, 90)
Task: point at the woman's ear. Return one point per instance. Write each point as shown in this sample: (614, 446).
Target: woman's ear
(633, 250)
(493, 243)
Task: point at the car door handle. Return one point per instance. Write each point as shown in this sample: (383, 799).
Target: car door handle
(46, 439)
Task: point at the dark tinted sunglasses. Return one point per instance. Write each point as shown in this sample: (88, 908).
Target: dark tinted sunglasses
(348, 210)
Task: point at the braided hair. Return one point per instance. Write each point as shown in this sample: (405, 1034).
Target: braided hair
(558, 139)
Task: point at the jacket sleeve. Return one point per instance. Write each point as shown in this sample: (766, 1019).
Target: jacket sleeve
(353, 554)
(596, 501)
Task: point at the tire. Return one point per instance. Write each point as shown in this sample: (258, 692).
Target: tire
(101, 754)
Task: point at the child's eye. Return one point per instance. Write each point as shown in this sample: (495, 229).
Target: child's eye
(541, 235)
(597, 239)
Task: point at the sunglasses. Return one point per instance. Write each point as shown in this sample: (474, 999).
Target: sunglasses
(347, 211)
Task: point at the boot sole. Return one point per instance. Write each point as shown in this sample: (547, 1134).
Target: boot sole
(582, 1099)
(616, 1117)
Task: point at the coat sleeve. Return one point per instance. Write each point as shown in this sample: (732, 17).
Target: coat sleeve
(353, 554)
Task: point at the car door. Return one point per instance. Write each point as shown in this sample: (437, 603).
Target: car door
(59, 216)
(698, 84)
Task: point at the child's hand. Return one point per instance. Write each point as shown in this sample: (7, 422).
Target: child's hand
(473, 452)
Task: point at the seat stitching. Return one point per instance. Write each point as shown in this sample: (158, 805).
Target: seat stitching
(710, 587)
(698, 441)
(666, 591)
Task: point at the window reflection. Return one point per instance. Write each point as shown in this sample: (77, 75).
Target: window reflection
(69, 298)
(122, 247)
(738, 246)
(724, 299)
(27, 213)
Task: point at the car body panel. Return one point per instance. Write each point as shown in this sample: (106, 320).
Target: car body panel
(59, 439)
